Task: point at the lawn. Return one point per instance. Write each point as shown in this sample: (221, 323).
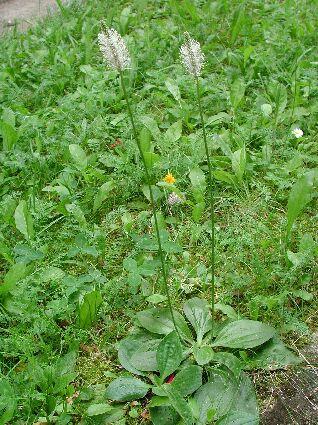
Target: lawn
(79, 255)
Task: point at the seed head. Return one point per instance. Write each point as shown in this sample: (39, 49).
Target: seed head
(114, 49)
(192, 56)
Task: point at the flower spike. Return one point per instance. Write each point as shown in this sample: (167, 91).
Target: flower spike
(192, 56)
(114, 49)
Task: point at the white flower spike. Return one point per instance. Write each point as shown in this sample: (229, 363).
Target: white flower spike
(114, 49)
(297, 132)
(192, 56)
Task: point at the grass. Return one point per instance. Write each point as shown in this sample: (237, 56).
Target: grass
(55, 87)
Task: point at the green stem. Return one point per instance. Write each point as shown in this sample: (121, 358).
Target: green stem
(211, 196)
(152, 202)
(295, 92)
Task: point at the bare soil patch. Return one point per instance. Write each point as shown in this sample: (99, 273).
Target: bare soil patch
(296, 400)
(23, 13)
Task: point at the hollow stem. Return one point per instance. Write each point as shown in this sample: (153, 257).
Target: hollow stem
(152, 202)
(211, 199)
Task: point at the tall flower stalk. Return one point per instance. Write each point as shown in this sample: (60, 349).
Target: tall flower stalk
(192, 58)
(117, 57)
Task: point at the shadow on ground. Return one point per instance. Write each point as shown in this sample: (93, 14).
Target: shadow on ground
(296, 401)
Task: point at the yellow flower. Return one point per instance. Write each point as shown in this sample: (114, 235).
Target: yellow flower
(169, 178)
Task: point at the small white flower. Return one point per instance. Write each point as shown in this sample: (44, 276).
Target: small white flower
(114, 49)
(297, 132)
(174, 199)
(192, 56)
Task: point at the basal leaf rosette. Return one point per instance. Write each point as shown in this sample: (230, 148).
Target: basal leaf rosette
(191, 375)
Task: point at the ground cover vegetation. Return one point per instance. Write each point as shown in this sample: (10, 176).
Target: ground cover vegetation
(84, 259)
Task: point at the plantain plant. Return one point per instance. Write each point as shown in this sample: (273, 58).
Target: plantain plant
(199, 377)
(189, 368)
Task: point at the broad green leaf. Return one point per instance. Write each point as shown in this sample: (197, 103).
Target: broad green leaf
(66, 364)
(238, 418)
(266, 109)
(88, 309)
(197, 211)
(171, 247)
(237, 23)
(9, 135)
(77, 212)
(8, 129)
(145, 357)
(8, 403)
(127, 347)
(50, 401)
(169, 354)
(179, 404)
(215, 396)
(224, 176)
(173, 88)
(157, 193)
(244, 334)
(237, 92)
(174, 132)
(8, 116)
(244, 405)
(152, 126)
(102, 194)
(197, 311)
(124, 19)
(188, 380)
(98, 409)
(307, 243)
(186, 9)
(6, 253)
(62, 382)
(299, 197)
(197, 178)
(115, 416)
(127, 221)
(52, 274)
(278, 93)
(303, 294)
(7, 209)
(16, 273)
(306, 251)
(23, 220)
(134, 281)
(61, 190)
(130, 265)
(227, 310)
(224, 142)
(145, 140)
(203, 354)
(217, 119)
(239, 163)
(78, 155)
(151, 159)
(157, 401)
(159, 321)
(248, 50)
(274, 355)
(230, 361)
(126, 389)
(156, 298)
(164, 415)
